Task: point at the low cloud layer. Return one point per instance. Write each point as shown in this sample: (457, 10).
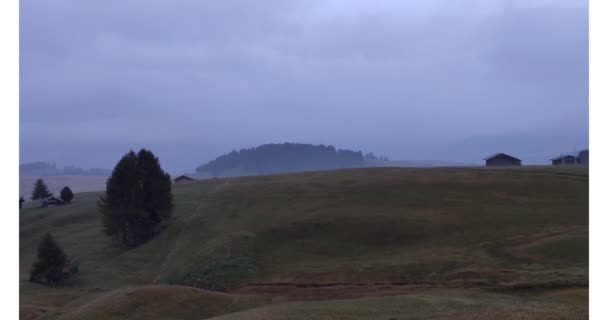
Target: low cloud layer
(193, 79)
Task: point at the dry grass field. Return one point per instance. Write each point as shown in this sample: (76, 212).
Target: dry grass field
(374, 243)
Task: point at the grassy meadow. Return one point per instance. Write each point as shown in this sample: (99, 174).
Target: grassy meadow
(372, 243)
(56, 183)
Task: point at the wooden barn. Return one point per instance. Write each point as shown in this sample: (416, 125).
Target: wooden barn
(51, 202)
(563, 160)
(183, 178)
(502, 159)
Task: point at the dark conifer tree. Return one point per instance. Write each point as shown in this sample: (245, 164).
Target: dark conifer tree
(40, 191)
(156, 183)
(66, 194)
(52, 265)
(137, 199)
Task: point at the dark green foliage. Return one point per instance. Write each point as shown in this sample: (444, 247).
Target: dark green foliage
(66, 194)
(286, 157)
(137, 200)
(52, 265)
(40, 190)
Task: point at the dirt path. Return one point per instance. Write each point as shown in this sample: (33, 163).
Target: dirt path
(176, 246)
(332, 291)
(521, 249)
(168, 258)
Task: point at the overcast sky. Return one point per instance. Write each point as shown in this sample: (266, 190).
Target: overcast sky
(192, 79)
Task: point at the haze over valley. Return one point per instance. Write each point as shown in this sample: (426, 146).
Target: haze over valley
(304, 160)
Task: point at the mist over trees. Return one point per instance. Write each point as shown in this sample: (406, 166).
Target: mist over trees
(41, 168)
(285, 157)
(370, 156)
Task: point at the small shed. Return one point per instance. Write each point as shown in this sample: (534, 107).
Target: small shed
(51, 202)
(564, 159)
(502, 159)
(183, 178)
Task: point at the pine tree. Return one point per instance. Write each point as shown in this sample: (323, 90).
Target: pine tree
(52, 265)
(137, 199)
(157, 197)
(40, 190)
(66, 194)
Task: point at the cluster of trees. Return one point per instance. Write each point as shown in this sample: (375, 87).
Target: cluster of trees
(373, 157)
(137, 202)
(38, 168)
(285, 157)
(41, 191)
(41, 168)
(52, 265)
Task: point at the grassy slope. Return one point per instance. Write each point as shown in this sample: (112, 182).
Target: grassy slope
(77, 183)
(458, 228)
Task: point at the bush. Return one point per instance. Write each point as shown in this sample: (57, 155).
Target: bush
(52, 265)
(138, 199)
(66, 195)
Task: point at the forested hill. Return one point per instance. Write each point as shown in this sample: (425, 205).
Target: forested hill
(285, 157)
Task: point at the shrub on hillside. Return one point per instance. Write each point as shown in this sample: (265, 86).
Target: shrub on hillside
(138, 199)
(52, 265)
(66, 194)
(41, 191)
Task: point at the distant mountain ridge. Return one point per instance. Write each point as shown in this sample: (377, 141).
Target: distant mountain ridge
(284, 157)
(41, 168)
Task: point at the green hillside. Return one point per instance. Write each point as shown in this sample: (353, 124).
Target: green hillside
(458, 243)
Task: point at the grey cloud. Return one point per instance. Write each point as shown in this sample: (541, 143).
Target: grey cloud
(400, 78)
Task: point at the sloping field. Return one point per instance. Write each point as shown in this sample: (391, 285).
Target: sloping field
(56, 183)
(447, 243)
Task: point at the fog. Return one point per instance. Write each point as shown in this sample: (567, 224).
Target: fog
(193, 79)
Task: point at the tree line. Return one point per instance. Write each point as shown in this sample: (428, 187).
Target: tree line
(42, 168)
(285, 157)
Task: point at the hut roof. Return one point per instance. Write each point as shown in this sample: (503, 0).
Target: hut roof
(501, 154)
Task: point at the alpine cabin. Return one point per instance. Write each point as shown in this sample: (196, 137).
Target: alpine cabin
(183, 178)
(502, 159)
(563, 160)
